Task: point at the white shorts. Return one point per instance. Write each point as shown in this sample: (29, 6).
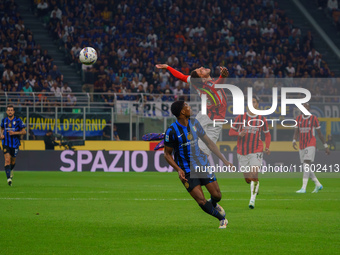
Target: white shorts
(307, 153)
(212, 132)
(252, 159)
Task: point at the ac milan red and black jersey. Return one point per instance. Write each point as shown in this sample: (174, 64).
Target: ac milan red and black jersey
(251, 142)
(216, 98)
(307, 126)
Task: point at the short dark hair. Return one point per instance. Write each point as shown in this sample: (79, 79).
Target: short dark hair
(257, 98)
(195, 79)
(9, 106)
(177, 107)
(194, 74)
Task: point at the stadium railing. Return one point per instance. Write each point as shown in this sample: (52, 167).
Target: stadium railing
(43, 100)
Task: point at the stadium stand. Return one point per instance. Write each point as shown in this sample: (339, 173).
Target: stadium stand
(254, 39)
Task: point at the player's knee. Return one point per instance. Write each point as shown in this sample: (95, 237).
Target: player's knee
(248, 180)
(201, 201)
(218, 196)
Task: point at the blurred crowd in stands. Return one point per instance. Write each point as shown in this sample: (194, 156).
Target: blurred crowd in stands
(252, 38)
(25, 67)
(331, 10)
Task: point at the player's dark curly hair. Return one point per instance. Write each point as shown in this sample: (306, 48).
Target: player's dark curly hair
(177, 107)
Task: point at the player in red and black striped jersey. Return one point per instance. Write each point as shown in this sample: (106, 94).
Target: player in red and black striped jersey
(306, 126)
(201, 80)
(248, 128)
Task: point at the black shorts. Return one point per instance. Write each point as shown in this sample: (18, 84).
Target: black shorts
(194, 181)
(12, 151)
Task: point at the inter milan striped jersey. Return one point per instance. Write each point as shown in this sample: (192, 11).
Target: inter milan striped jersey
(307, 126)
(184, 141)
(251, 142)
(16, 124)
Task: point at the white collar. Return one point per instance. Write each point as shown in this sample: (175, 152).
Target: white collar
(306, 117)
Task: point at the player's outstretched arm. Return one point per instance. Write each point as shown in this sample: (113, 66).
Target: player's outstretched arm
(162, 66)
(174, 72)
(295, 137)
(322, 138)
(213, 147)
(168, 157)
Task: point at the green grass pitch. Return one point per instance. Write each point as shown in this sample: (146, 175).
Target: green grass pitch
(151, 213)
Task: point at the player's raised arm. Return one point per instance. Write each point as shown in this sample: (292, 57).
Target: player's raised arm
(174, 72)
(214, 149)
(168, 157)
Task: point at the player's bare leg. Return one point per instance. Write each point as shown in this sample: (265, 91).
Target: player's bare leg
(198, 195)
(216, 196)
(8, 168)
(12, 166)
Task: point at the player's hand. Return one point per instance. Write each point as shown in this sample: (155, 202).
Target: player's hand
(11, 132)
(242, 133)
(327, 151)
(267, 151)
(224, 72)
(2, 136)
(181, 176)
(294, 146)
(229, 165)
(162, 66)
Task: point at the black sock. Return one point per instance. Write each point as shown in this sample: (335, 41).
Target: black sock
(214, 201)
(8, 171)
(208, 208)
(12, 166)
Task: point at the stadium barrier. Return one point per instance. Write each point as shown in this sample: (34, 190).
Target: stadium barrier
(144, 161)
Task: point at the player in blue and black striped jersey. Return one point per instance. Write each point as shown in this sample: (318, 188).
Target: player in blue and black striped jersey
(182, 139)
(12, 128)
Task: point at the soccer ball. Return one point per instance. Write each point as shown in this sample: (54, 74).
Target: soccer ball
(88, 56)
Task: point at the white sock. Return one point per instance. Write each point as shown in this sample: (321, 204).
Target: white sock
(314, 179)
(253, 186)
(305, 176)
(257, 187)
